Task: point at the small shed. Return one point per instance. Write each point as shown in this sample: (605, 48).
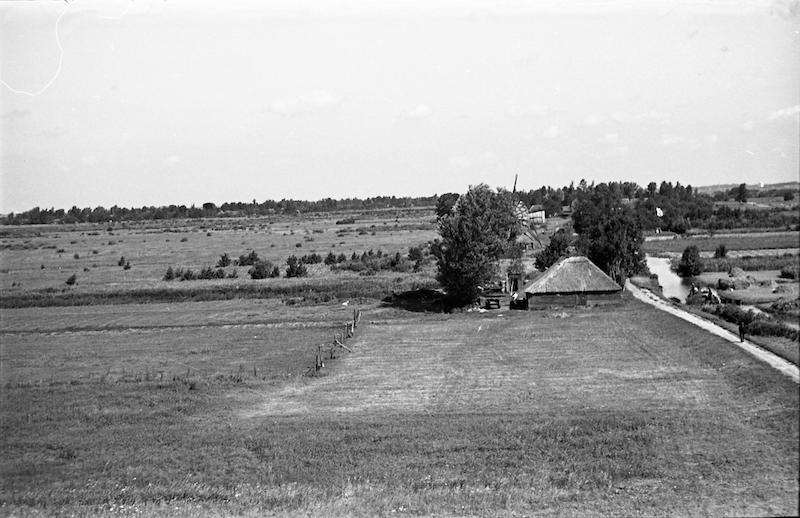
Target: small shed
(572, 281)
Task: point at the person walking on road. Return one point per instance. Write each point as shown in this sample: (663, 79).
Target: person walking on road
(741, 331)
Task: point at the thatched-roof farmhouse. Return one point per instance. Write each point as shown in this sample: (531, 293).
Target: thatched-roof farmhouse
(572, 281)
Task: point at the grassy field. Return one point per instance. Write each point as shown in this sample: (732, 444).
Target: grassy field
(34, 258)
(618, 411)
(739, 243)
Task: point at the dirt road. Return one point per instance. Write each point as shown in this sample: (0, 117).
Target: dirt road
(774, 361)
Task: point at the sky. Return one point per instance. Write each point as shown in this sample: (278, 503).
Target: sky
(155, 102)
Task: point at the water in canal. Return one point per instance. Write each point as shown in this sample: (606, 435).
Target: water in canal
(672, 284)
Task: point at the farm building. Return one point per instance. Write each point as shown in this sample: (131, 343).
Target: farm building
(537, 215)
(572, 281)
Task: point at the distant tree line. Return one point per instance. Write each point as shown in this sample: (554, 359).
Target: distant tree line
(681, 207)
(39, 216)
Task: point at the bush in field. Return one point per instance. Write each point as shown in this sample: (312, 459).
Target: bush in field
(690, 264)
(275, 273)
(71, 279)
(127, 265)
(121, 261)
(188, 275)
(311, 259)
(330, 259)
(170, 274)
(224, 260)
(260, 270)
(295, 267)
(791, 271)
(721, 251)
(249, 259)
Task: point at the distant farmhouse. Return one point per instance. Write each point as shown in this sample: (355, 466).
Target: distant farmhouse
(572, 281)
(537, 215)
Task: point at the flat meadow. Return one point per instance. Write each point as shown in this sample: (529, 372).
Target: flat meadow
(212, 407)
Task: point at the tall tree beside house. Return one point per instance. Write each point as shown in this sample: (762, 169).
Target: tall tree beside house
(555, 250)
(474, 235)
(609, 233)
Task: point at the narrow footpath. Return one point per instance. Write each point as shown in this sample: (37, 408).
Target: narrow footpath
(787, 368)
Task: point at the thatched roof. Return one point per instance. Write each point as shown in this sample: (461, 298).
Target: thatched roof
(573, 275)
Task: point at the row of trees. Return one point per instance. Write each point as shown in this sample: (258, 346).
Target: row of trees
(37, 215)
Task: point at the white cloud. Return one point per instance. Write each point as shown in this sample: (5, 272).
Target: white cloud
(748, 126)
(551, 132)
(488, 156)
(785, 113)
(617, 151)
(531, 110)
(611, 138)
(461, 162)
(670, 140)
(419, 111)
(305, 103)
(592, 120)
(172, 159)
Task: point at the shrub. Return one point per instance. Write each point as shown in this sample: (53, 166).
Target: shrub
(127, 265)
(295, 267)
(275, 273)
(721, 251)
(341, 258)
(121, 261)
(224, 260)
(71, 280)
(76, 256)
(690, 264)
(170, 274)
(60, 251)
(311, 259)
(249, 259)
(188, 275)
(346, 221)
(791, 271)
(260, 270)
(330, 259)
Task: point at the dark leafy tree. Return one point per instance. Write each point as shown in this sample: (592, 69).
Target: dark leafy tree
(721, 251)
(741, 193)
(690, 264)
(444, 204)
(473, 237)
(555, 250)
(609, 233)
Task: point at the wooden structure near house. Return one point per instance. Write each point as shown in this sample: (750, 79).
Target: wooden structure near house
(572, 281)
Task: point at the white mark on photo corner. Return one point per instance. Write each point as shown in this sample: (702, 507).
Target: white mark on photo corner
(60, 53)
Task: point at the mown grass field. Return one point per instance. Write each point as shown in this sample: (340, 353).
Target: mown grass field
(618, 411)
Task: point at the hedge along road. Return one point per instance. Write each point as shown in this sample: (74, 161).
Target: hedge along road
(773, 360)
